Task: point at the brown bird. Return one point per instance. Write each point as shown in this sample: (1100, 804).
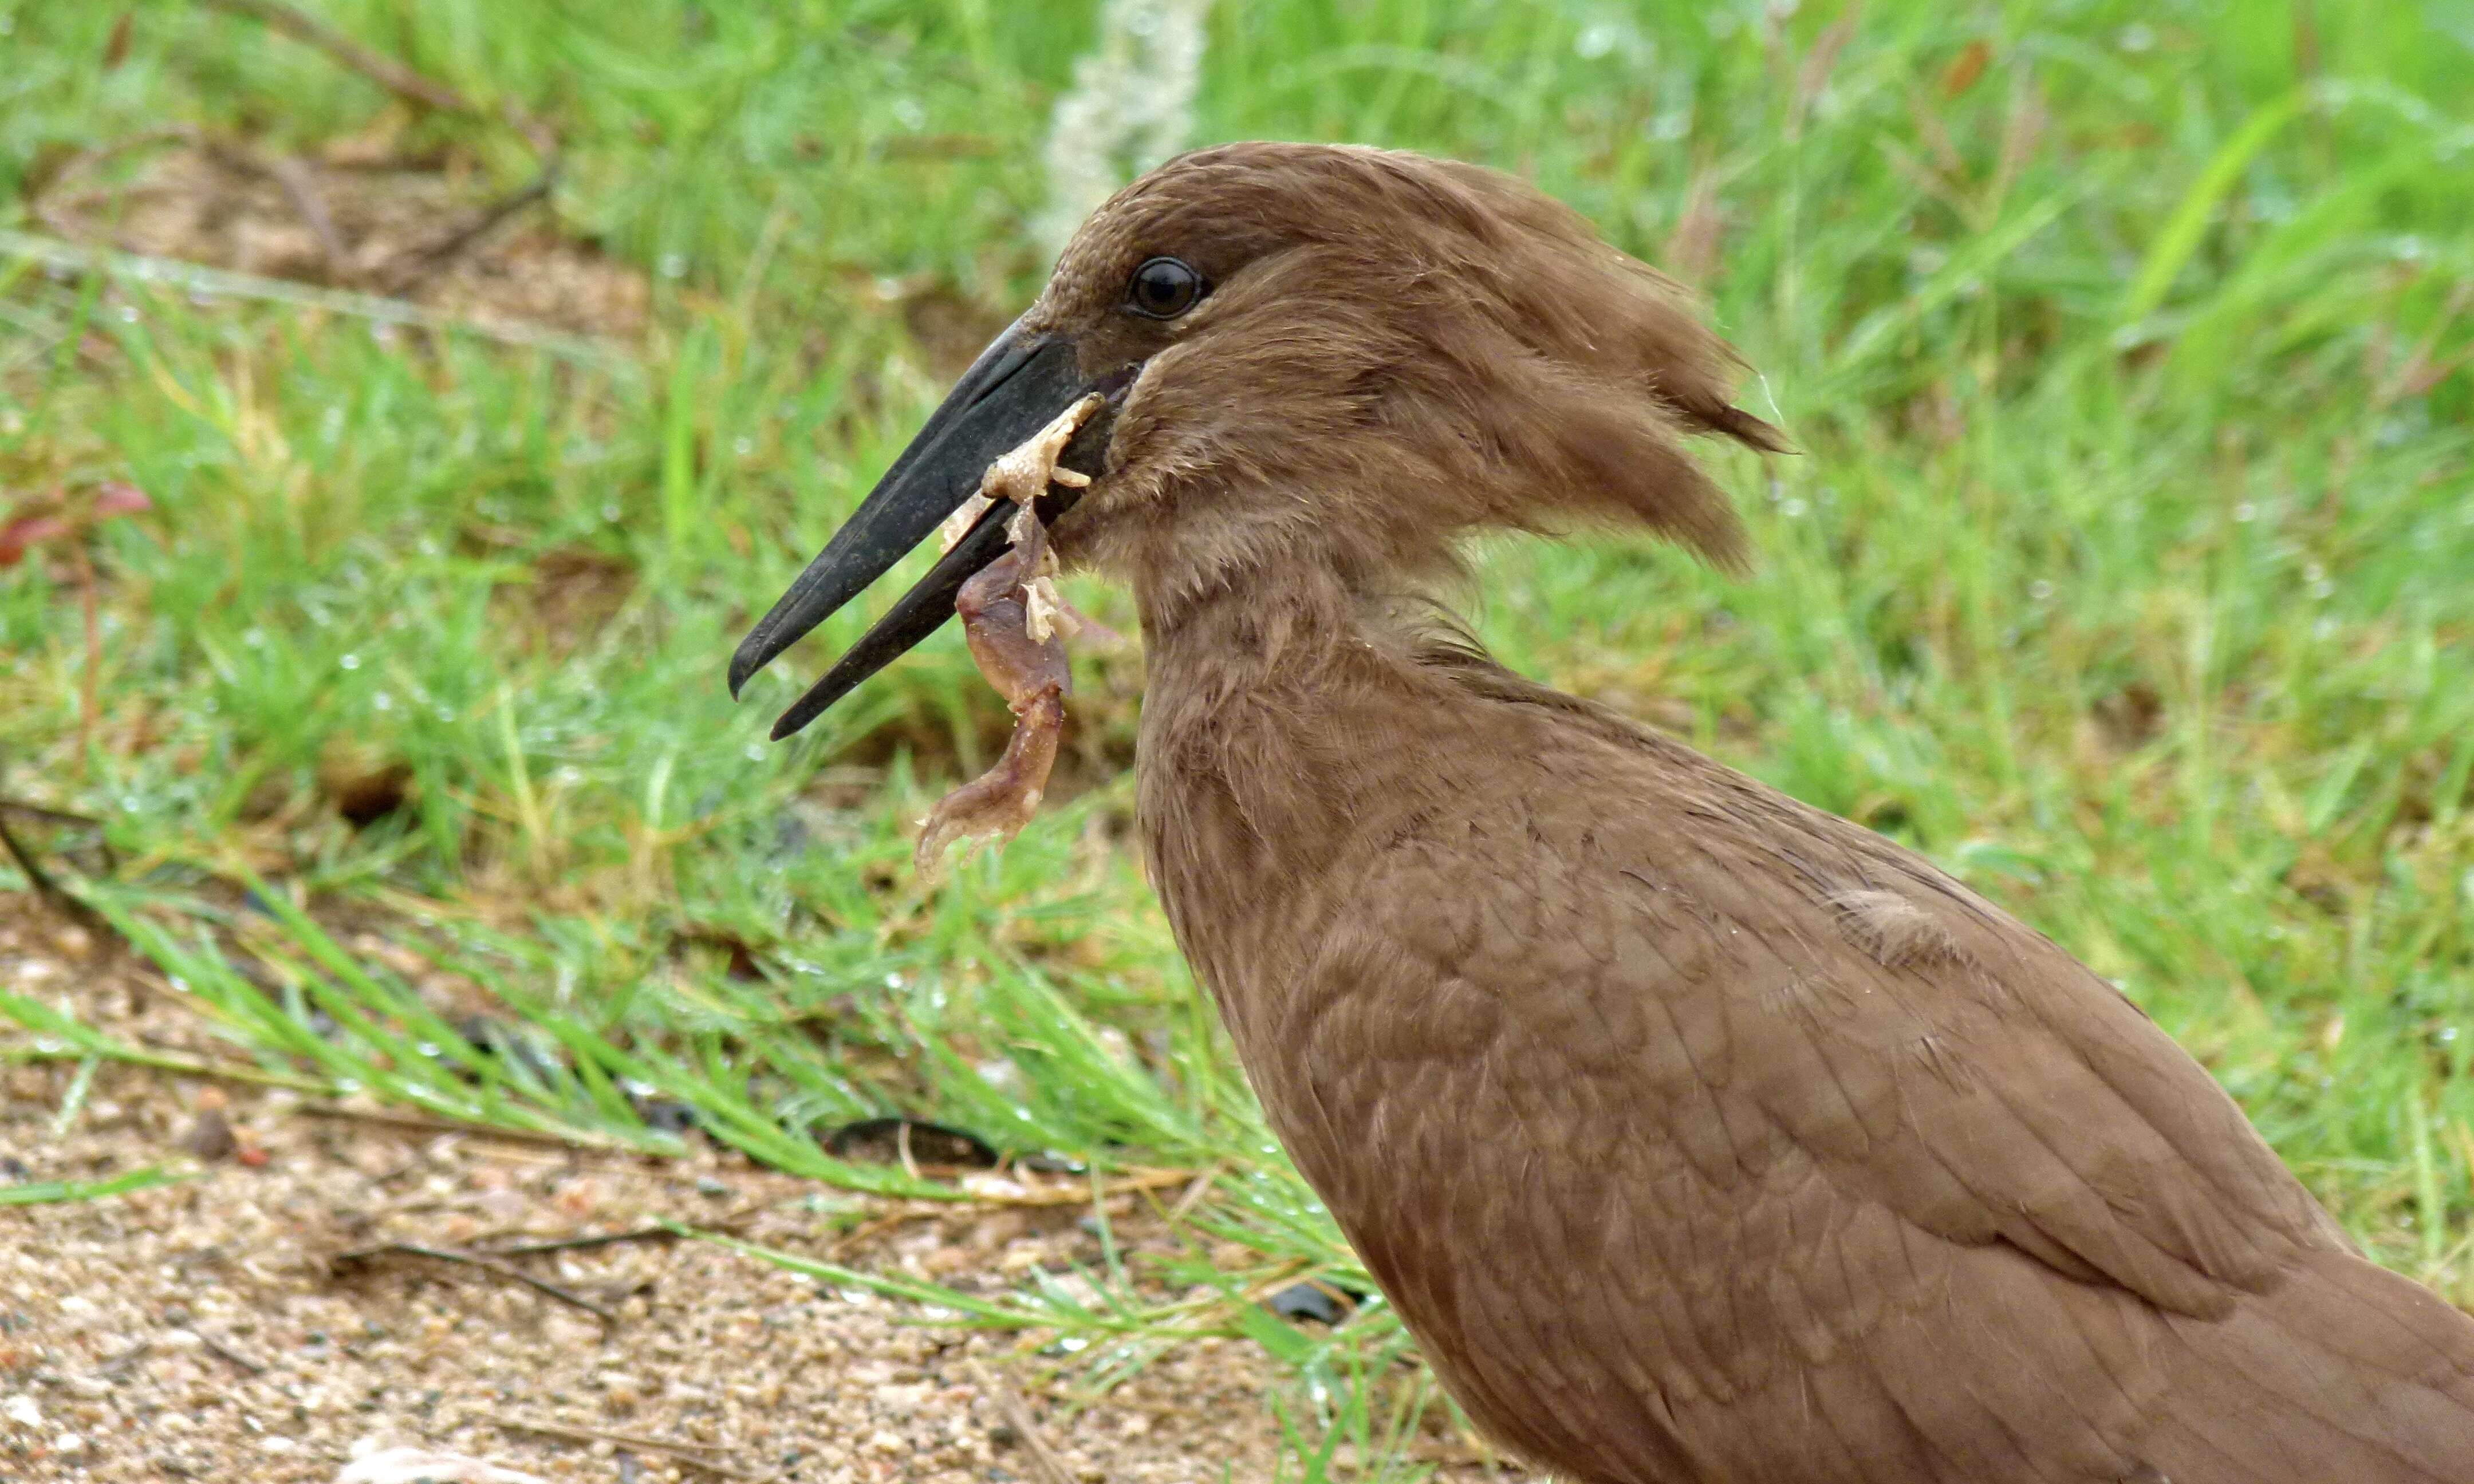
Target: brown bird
(1696, 1135)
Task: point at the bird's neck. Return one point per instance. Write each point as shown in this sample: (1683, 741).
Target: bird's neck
(1253, 628)
(1285, 715)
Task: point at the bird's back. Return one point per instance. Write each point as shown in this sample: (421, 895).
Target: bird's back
(1700, 1136)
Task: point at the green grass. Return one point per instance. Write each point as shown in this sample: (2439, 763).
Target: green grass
(45, 1192)
(2127, 568)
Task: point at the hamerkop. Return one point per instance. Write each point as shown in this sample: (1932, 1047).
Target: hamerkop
(1697, 1135)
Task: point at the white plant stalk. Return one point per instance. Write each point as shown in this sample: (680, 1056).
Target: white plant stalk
(1132, 106)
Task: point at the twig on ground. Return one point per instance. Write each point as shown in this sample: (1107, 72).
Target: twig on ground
(996, 1193)
(605, 1239)
(300, 187)
(226, 1353)
(696, 1455)
(878, 1226)
(728, 1222)
(1045, 1460)
(362, 1255)
(584, 1243)
(396, 77)
(383, 70)
(416, 266)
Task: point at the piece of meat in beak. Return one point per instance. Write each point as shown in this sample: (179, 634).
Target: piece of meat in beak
(1009, 451)
(1016, 627)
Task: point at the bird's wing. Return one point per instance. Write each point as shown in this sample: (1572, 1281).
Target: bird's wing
(1937, 1055)
(1777, 1123)
(1758, 956)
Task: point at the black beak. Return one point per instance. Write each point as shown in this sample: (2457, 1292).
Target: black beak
(1016, 386)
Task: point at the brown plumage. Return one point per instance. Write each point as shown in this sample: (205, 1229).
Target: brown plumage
(1697, 1135)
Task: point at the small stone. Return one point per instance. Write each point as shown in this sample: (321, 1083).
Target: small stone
(902, 1401)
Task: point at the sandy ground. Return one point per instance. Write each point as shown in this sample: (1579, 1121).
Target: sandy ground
(215, 1330)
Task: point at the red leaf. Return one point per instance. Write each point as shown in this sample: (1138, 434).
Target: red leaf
(28, 530)
(115, 51)
(112, 497)
(1966, 67)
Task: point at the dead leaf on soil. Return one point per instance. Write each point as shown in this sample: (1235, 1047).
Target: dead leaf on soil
(352, 226)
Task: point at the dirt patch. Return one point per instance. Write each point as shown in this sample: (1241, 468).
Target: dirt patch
(950, 328)
(246, 1325)
(410, 228)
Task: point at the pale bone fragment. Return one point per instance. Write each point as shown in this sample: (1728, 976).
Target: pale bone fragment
(1024, 473)
(958, 524)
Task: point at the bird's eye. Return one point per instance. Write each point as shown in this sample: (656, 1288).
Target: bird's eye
(1163, 288)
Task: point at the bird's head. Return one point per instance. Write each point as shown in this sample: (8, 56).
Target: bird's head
(1341, 356)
